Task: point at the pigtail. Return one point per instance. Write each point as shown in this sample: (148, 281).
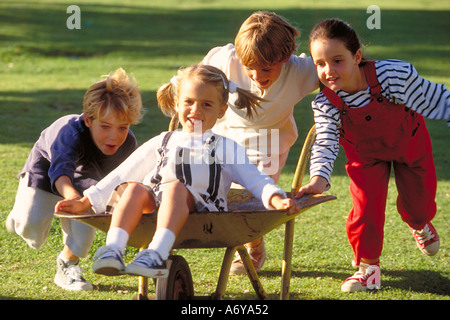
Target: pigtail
(249, 101)
(209, 74)
(166, 99)
(246, 99)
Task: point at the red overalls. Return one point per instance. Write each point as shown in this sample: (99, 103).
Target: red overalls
(375, 137)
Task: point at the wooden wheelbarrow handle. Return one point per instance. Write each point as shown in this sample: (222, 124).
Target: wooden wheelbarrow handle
(289, 228)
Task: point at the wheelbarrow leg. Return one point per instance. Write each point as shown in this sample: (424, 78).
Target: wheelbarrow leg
(143, 288)
(224, 272)
(287, 261)
(251, 272)
(143, 284)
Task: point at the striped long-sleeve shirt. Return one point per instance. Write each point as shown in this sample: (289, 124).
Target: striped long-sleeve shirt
(400, 84)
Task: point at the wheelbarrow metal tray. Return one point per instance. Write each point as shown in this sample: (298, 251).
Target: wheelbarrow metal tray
(246, 220)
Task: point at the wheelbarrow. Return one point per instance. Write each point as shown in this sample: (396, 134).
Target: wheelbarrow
(246, 220)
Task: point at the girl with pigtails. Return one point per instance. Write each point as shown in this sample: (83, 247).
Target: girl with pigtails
(176, 172)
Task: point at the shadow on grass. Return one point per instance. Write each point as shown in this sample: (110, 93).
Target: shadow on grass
(162, 31)
(116, 288)
(422, 281)
(419, 281)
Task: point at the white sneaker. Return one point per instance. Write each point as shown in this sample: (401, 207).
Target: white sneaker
(366, 278)
(68, 276)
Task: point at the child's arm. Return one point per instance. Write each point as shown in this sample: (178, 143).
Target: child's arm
(279, 202)
(326, 147)
(73, 205)
(135, 168)
(258, 183)
(402, 84)
(64, 186)
(317, 185)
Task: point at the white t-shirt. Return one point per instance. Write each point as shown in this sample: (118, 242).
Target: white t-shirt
(297, 79)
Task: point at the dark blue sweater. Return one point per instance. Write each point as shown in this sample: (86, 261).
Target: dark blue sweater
(66, 148)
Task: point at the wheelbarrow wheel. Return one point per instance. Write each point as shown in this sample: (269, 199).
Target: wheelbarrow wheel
(178, 285)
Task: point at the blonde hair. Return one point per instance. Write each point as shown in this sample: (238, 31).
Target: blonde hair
(168, 92)
(116, 93)
(265, 38)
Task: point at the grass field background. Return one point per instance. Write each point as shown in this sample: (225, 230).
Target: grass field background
(46, 68)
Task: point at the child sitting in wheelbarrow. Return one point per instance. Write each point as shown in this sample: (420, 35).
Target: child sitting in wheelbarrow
(176, 172)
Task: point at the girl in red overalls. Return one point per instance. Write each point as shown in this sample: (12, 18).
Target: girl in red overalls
(374, 110)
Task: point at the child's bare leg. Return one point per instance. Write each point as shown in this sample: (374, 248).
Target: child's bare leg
(135, 200)
(176, 203)
(132, 203)
(173, 212)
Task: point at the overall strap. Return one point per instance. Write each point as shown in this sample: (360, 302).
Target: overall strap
(157, 177)
(215, 169)
(371, 78)
(183, 168)
(166, 140)
(334, 99)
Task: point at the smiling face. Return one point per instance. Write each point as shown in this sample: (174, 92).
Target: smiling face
(198, 104)
(337, 67)
(264, 76)
(108, 133)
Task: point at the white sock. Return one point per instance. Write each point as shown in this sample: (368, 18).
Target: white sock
(117, 238)
(162, 242)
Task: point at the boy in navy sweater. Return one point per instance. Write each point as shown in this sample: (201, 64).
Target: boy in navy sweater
(72, 154)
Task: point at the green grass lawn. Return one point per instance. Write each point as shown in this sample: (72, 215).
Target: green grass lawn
(46, 68)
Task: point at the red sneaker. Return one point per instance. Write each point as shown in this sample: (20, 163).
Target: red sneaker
(427, 239)
(366, 278)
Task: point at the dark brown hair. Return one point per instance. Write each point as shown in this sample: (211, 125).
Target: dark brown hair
(340, 30)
